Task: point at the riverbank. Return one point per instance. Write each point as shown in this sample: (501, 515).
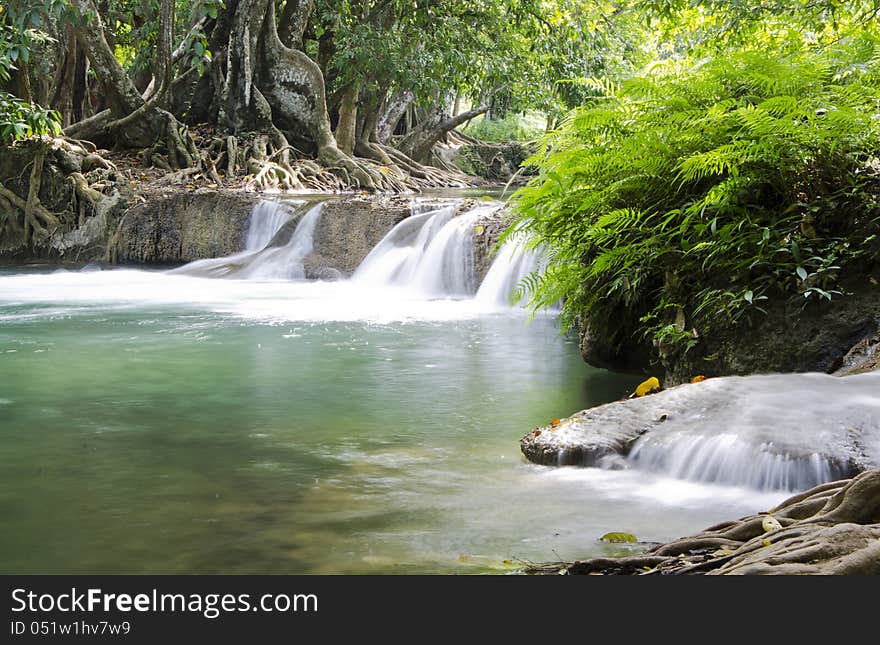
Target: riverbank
(831, 529)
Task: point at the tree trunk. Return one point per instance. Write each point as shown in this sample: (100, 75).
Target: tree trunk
(346, 127)
(81, 87)
(395, 108)
(418, 143)
(294, 21)
(63, 99)
(130, 121)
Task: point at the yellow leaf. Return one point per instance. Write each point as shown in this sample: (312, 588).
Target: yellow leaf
(619, 538)
(645, 388)
(478, 230)
(770, 523)
(698, 379)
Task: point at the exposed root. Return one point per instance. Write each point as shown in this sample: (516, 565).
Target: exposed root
(831, 529)
(36, 213)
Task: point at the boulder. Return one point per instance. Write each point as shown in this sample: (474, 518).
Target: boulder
(782, 431)
(182, 227)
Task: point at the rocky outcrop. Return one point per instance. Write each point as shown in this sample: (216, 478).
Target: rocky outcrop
(863, 357)
(794, 336)
(84, 195)
(182, 227)
(783, 431)
(349, 228)
(832, 529)
(487, 231)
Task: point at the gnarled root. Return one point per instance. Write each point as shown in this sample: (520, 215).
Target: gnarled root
(830, 529)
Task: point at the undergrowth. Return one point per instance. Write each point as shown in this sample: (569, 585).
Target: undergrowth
(689, 197)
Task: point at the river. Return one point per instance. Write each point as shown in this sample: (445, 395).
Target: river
(159, 422)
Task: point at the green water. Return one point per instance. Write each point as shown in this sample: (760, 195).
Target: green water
(142, 434)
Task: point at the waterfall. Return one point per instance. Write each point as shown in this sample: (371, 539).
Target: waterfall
(265, 221)
(513, 262)
(430, 254)
(266, 257)
(727, 459)
(769, 432)
(285, 262)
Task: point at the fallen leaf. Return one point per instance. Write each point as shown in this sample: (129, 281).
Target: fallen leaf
(698, 379)
(555, 422)
(770, 523)
(618, 537)
(645, 387)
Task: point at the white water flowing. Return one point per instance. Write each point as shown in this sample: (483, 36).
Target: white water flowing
(769, 432)
(261, 260)
(514, 261)
(430, 254)
(265, 221)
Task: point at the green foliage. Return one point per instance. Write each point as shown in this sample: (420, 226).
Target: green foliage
(690, 195)
(513, 127)
(23, 25)
(19, 119)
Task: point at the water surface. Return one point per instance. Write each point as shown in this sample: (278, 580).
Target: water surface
(155, 423)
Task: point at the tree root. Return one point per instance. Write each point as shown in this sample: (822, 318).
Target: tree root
(46, 222)
(831, 529)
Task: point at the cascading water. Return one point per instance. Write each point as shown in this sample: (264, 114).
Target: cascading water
(430, 254)
(769, 432)
(265, 221)
(513, 263)
(264, 257)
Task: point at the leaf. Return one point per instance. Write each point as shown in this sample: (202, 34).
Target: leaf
(698, 379)
(618, 537)
(645, 387)
(802, 273)
(770, 523)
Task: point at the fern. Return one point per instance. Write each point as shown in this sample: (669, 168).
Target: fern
(707, 188)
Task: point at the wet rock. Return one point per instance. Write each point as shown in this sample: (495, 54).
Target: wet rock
(182, 227)
(767, 431)
(487, 231)
(791, 337)
(351, 226)
(863, 357)
(317, 267)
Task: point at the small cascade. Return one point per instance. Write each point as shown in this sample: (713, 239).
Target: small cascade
(265, 221)
(265, 256)
(768, 432)
(727, 459)
(285, 262)
(430, 253)
(514, 261)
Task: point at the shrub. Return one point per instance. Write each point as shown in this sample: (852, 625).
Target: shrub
(687, 197)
